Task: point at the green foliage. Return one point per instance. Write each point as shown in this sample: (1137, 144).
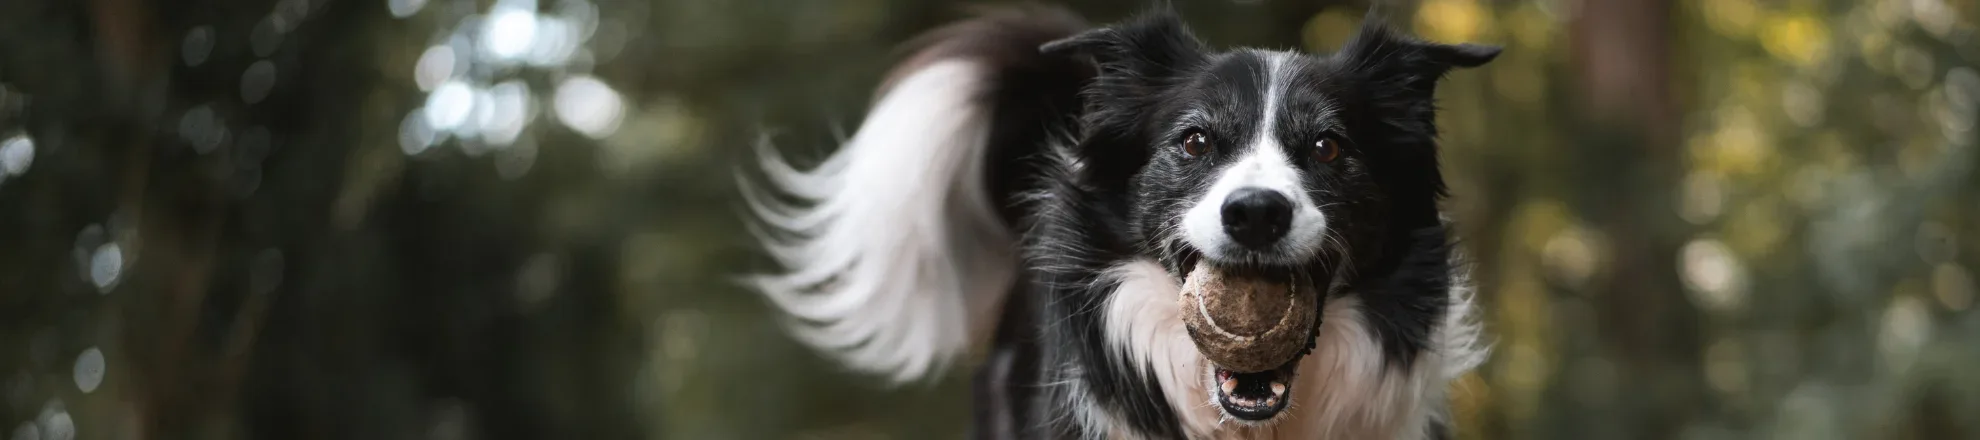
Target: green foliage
(378, 219)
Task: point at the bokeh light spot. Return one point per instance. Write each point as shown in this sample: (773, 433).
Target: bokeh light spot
(55, 423)
(16, 154)
(202, 129)
(89, 370)
(1803, 104)
(1451, 20)
(1953, 286)
(196, 46)
(1572, 255)
(87, 240)
(449, 105)
(509, 32)
(1962, 98)
(436, 65)
(556, 40)
(1907, 326)
(415, 134)
(581, 15)
(1935, 16)
(404, 8)
(1715, 276)
(257, 81)
(480, 117)
(508, 111)
(588, 106)
(105, 266)
(1795, 38)
(1703, 197)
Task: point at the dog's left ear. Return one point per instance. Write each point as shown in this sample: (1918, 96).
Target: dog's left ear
(1398, 83)
(1385, 54)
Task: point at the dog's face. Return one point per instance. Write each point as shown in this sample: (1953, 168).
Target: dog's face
(1271, 162)
(1254, 165)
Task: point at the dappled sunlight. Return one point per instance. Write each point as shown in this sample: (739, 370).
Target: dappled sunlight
(453, 219)
(495, 71)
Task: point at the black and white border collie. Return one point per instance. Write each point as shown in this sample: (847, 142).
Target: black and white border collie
(1026, 193)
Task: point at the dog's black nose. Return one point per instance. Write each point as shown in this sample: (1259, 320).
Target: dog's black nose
(1257, 217)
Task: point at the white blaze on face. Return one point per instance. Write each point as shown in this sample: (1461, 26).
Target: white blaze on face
(1265, 165)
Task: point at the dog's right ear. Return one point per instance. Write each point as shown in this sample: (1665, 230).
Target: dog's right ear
(1152, 46)
(1137, 60)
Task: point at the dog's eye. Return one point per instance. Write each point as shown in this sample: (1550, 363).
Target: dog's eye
(1195, 143)
(1326, 149)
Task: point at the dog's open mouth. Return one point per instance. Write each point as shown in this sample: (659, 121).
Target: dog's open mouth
(1253, 326)
(1253, 397)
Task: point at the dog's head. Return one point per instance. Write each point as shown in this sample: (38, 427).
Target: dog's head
(1302, 165)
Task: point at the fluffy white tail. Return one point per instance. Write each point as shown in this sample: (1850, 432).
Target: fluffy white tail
(895, 260)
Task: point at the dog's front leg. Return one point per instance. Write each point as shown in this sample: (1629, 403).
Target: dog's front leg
(1004, 385)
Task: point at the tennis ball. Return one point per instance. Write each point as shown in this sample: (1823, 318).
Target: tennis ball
(1244, 322)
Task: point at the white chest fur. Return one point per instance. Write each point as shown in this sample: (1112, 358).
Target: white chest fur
(1345, 389)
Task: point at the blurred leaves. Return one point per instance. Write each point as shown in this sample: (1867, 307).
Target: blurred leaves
(233, 219)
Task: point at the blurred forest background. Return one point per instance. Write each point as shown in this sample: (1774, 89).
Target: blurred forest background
(457, 219)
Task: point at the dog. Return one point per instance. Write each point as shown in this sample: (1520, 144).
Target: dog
(1026, 194)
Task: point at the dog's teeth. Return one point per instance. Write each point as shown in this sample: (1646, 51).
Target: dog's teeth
(1272, 401)
(1230, 386)
(1278, 388)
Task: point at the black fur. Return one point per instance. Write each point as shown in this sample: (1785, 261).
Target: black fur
(1122, 185)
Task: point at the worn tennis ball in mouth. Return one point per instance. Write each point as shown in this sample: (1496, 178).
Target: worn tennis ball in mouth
(1247, 322)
